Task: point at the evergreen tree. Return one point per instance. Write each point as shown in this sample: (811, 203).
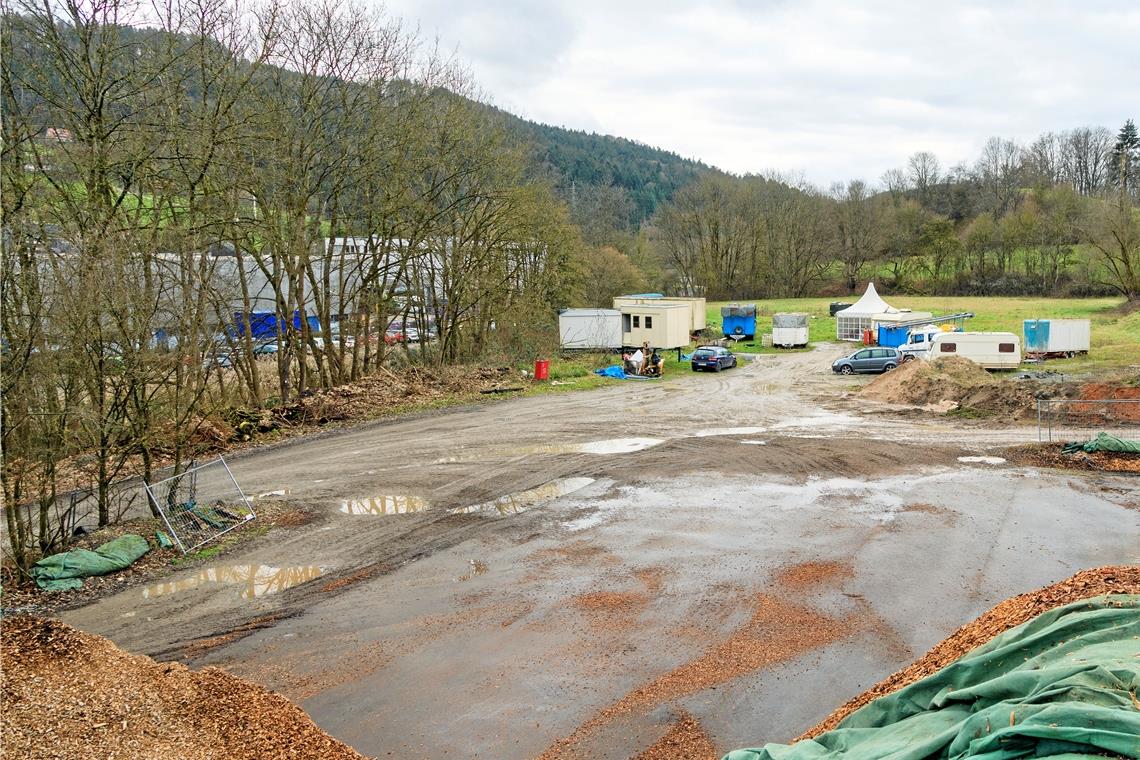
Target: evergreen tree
(1126, 159)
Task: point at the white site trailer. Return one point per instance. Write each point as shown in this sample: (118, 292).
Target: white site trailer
(696, 306)
(1057, 337)
(789, 330)
(992, 350)
(589, 329)
(661, 325)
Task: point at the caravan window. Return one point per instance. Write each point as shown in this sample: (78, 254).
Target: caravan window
(948, 348)
(637, 321)
(648, 322)
(1005, 348)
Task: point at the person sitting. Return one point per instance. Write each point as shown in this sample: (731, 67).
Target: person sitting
(637, 361)
(656, 364)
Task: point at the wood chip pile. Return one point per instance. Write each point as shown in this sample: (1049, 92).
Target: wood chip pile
(69, 694)
(1123, 579)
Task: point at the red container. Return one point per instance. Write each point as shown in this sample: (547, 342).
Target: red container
(541, 369)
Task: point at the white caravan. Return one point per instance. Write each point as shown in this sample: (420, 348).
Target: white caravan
(992, 350)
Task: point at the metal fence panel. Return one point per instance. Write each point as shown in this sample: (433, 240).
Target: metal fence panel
(1071, 419)
(200, 504)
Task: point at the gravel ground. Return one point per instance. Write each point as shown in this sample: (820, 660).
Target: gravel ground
(69, 694)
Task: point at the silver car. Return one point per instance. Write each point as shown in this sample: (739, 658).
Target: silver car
(868, 360)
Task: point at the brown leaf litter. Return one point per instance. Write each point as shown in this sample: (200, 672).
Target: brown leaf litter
(70, 694)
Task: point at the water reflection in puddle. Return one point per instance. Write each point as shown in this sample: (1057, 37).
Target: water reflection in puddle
(728, 431)
(618, 445)
(524, 500)
(384, 505)
(249, 580)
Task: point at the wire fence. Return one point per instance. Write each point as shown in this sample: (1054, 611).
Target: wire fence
(200, 504)
(1067, 420)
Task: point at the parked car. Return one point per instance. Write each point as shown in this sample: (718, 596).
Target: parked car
(868, 360)
(714, 358)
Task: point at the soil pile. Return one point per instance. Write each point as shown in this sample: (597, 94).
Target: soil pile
(69, 694)
(953, 384)
(1123, 579)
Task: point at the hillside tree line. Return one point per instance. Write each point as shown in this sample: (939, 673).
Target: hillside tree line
(172, 169)
(1056, 217)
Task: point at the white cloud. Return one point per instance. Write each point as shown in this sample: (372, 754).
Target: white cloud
(824, 88)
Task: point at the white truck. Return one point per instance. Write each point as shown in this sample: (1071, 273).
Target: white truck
(992, 350)
(918, 341)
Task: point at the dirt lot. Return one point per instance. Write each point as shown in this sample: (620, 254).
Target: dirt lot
(727, 557)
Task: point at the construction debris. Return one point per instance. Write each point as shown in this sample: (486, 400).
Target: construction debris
(70, 694)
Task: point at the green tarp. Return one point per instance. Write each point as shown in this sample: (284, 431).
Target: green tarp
(1104, 442)
(65, 571)
(1063, 684)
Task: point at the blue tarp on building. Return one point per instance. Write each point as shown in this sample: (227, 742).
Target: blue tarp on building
(264, 324)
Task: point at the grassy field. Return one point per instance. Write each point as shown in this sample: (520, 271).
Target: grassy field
(1115, 335)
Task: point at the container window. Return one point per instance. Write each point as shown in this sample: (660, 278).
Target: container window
(1005, 348)
(637, 321)
(625, 322)
(948, 348)
(648, 322)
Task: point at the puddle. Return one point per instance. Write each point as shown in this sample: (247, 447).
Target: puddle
(755, 443)
(478, 567)
(982, 460)
(618, 445)
(384, 505)
(826, 419)
(249, 581)
(728, 431)
(524, 500)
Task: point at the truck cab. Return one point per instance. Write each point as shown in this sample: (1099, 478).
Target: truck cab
(918, 342)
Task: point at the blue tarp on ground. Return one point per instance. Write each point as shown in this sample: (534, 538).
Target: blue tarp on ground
(618, 373)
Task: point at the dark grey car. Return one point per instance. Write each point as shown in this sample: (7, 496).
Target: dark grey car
(868, 360)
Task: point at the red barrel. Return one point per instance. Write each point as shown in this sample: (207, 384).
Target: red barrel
(541, 369)
(868, 338)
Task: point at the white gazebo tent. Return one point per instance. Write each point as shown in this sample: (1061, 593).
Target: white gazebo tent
(852, 321)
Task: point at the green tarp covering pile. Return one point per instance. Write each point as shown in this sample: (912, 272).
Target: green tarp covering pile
(1104, 442)
(1063, 684)
(66, 571)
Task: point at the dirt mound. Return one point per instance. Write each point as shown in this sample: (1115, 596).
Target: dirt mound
(1122, 579)
(69, 694)
(952, 384)
(922, 382)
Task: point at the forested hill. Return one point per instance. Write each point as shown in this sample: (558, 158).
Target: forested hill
(580, 160)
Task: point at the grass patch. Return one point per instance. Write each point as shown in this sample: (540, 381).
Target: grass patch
(1115, 333)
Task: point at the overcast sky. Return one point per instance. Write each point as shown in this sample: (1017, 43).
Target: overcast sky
(835, 90)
